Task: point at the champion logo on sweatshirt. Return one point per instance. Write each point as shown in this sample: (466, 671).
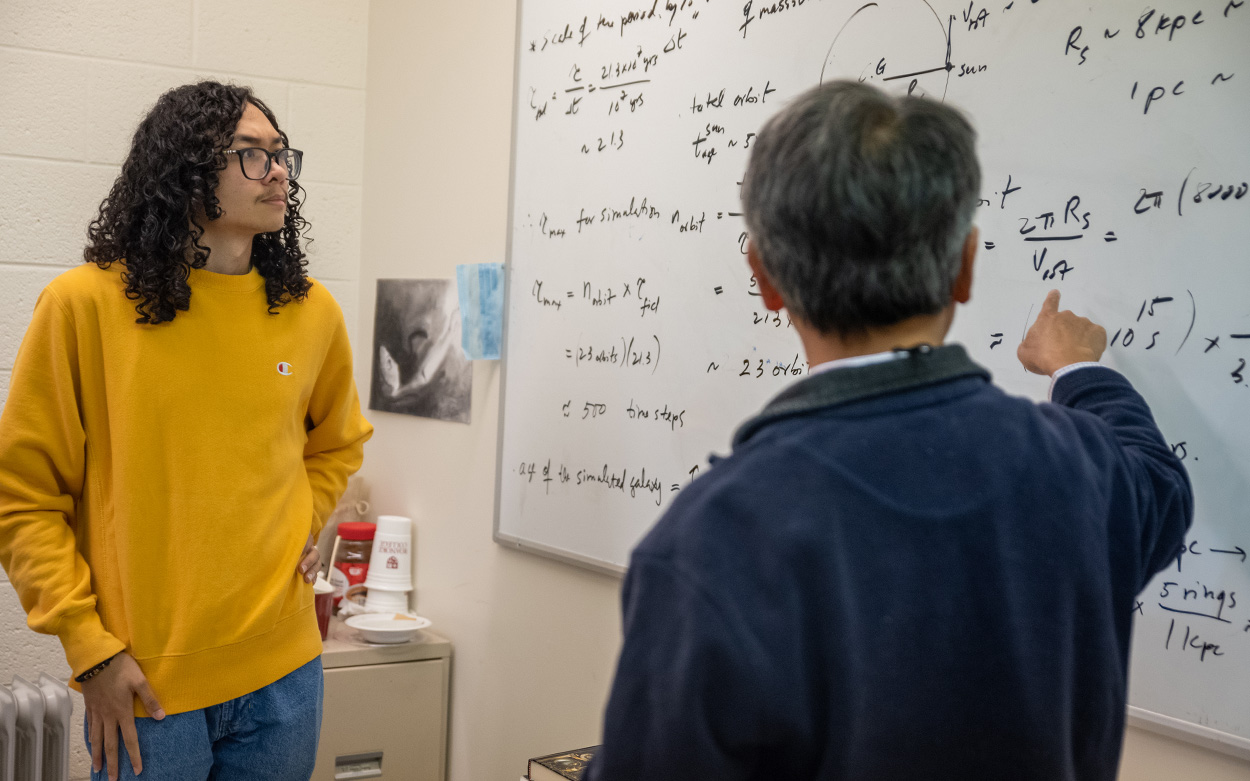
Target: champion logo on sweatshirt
(284, 368)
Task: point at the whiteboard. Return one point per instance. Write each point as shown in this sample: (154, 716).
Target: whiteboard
(1115, 145)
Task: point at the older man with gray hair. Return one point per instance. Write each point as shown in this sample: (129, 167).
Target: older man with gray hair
(901, 572)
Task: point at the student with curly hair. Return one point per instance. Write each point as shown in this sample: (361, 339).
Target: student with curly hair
(181, 421)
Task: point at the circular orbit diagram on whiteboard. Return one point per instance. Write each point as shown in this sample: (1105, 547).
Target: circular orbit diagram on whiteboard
(901, 45)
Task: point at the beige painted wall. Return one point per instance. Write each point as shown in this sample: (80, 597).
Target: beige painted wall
(75, 78)
(535, 640)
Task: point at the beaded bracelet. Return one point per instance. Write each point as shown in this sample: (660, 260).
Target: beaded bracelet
(94, 671)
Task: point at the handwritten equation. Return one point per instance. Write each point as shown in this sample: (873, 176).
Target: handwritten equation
(1114, 168)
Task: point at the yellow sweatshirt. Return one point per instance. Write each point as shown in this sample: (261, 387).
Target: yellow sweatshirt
(158, 483)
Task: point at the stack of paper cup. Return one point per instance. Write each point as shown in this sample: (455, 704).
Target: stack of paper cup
(390, 566)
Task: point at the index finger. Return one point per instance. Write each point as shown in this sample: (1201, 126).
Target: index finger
(1051, 304)
(148, 698)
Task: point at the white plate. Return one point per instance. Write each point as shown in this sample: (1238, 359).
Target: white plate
(386, 627)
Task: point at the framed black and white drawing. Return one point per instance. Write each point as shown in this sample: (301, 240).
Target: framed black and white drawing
(419, 367)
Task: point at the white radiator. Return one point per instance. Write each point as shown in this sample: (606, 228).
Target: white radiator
(8, 733)
(35, 730)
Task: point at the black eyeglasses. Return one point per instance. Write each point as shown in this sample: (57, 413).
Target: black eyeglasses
(255, 162)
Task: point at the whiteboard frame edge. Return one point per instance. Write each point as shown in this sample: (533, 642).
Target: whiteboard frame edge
(559, 554)
(509, 540)
(1187, 731)
(507, 277)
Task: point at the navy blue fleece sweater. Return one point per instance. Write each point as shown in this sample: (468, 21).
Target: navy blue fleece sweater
(901, 572)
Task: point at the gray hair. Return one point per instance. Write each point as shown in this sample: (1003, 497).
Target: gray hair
(859, 203)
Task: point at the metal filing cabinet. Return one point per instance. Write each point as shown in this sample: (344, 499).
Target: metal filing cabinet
(385, 708)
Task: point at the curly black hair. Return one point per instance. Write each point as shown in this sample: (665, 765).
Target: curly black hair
(149, 221)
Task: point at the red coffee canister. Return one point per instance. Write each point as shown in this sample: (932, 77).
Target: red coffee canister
(351, 561)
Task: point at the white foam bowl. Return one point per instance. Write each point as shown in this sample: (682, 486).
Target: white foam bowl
(386, 628)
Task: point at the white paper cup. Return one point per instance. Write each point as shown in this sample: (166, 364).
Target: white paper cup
(382, 601)
(395, 524)
(390, 563)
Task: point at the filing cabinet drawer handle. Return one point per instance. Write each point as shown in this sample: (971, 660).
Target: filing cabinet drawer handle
(353, 766)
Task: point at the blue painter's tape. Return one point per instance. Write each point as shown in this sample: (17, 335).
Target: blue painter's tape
(480, 287)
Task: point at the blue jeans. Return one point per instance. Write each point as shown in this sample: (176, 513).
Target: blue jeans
(268, 735)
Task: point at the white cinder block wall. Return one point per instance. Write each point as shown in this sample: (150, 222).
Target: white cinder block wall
(75, 78)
